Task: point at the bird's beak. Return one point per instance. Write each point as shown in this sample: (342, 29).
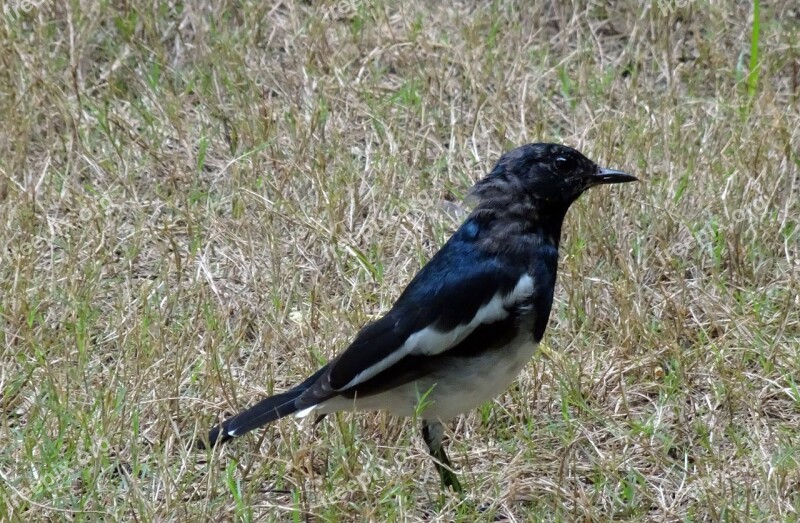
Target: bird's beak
(611, 176)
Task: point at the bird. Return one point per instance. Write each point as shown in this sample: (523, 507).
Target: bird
(468, 322)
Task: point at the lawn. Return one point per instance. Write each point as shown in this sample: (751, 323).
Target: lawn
(201, 202)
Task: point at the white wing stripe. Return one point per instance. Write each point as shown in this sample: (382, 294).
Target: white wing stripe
(430, 341)
(306, 411)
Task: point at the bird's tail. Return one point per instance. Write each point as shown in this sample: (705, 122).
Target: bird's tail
(265, 411)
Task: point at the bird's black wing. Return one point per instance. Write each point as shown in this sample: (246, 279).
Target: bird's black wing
(450, 301)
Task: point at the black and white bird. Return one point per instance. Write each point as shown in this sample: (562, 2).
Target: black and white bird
(469, 321)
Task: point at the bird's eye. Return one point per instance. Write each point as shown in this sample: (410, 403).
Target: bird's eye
(564, 165)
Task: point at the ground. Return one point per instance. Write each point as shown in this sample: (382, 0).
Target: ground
(201, 202)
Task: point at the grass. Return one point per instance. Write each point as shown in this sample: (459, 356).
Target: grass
(201, 202)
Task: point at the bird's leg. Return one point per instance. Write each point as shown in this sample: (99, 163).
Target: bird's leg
(432, 433)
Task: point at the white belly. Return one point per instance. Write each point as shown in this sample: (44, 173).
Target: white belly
(461, 386)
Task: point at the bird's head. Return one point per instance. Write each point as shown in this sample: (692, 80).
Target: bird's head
(547, 176)
(529, 192)
(550, 175)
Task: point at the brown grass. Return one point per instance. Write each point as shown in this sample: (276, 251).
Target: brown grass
(201, 202)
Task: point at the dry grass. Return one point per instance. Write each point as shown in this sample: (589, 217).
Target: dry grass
(201, 201)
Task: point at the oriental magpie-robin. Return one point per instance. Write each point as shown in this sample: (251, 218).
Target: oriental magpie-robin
(469, 321)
